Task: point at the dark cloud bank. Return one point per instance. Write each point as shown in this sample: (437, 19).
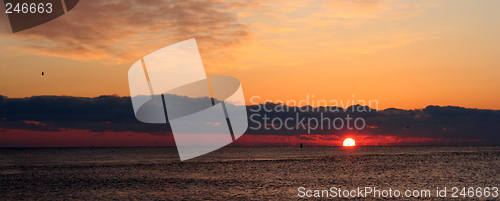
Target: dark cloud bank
(113, 113)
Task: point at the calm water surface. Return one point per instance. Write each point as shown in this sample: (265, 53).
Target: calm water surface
(238, 172)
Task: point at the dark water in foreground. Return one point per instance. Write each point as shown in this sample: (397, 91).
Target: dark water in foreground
(240, 172)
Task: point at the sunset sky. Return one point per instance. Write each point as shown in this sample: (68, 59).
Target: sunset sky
(405, 54)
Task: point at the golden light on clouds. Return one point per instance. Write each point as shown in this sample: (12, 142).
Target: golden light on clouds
(403, 54)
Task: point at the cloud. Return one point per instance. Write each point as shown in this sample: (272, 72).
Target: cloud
(358, 12)
(318, 30)
(55, 113)
(124, 30)
(305, 137)
(115, 114)
(368, 9)
(230, 34)
(318, 137)
(393, 39)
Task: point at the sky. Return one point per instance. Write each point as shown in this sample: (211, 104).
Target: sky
(404, 54)
(432, 67)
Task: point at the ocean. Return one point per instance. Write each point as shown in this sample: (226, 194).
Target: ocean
(250, 173)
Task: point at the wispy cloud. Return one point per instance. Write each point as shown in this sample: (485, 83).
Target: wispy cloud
(123, 30)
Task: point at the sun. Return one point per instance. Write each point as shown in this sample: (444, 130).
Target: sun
(349, 142)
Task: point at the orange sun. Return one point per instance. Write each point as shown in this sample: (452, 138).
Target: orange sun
(349, 142)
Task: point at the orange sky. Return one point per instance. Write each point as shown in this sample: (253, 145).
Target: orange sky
(404, 54)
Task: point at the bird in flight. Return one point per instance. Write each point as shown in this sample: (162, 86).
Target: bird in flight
(42, 73)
